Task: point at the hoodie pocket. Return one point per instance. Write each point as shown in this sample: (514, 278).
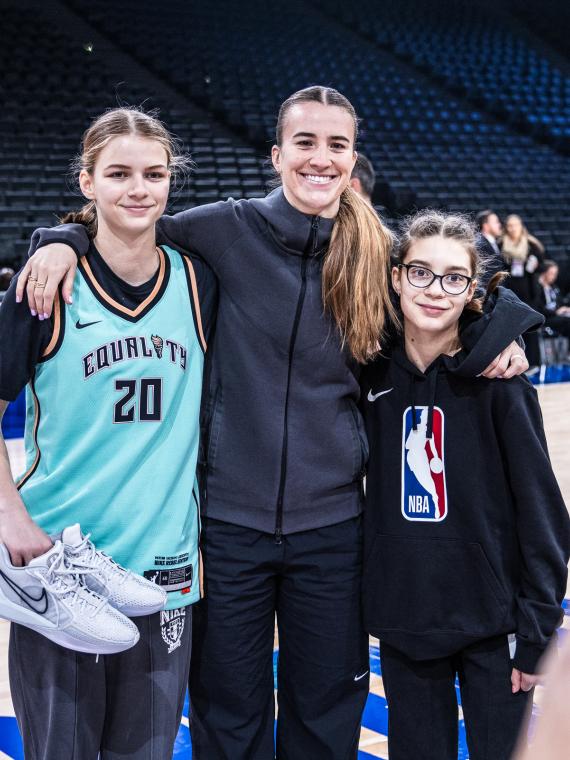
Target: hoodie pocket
(421, 585)
(360, 441)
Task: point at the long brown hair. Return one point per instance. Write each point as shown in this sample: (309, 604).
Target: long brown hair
(355, 282)
(115, 123)
(458, 227)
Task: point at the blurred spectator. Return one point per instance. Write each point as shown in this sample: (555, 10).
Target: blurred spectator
(522, 254)
(363, 178)
(490, 229)
(549, 300)
(6, 274)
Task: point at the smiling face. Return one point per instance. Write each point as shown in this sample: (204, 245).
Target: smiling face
(431, 310)
(316, 156)
(129, 184)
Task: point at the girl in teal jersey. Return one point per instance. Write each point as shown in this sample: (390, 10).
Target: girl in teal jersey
(112, 434)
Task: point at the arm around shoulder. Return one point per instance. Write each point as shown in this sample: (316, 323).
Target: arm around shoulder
(206, 230)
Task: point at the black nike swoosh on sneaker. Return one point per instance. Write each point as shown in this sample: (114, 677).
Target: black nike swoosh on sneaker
(86, 324)
(27, 598)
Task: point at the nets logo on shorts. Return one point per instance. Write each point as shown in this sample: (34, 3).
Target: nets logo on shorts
(424, 494)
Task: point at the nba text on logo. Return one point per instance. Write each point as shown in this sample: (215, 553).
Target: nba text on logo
(424, 495)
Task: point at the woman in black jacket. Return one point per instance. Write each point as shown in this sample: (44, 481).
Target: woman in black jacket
(303, 301)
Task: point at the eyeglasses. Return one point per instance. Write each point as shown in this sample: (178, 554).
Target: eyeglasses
(451, 283)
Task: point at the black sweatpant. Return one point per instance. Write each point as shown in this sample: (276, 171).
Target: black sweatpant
(71, 706)
(422, 703)
(312, 582)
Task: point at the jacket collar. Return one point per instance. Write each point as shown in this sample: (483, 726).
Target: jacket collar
(290, 227)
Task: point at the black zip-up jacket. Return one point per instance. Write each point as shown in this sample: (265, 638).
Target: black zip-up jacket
(285, 442)
(490, 556)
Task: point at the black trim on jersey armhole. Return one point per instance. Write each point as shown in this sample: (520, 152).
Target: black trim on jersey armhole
(194, 300)
(58, 329)
(131, 315)
(28, 474)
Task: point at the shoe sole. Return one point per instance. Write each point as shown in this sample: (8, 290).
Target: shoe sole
(16, 614)
(132, 612)
(70, 642)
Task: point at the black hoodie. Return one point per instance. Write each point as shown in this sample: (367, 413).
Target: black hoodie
(285, 441)
(467, 538)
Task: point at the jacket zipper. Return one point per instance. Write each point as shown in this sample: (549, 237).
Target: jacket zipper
(310, 250)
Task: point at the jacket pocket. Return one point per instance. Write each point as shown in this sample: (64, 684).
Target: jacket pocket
(420, 585)
(360, 440)
(214, 426)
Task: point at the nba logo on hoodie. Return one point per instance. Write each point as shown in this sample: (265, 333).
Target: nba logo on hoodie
(424, 494)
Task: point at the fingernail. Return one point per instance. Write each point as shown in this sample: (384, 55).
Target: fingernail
(46, 316)
(41, 317)
(18, 299)
(70, 300)
(33, 313)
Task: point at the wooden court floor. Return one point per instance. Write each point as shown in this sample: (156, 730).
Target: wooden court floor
(555, 403)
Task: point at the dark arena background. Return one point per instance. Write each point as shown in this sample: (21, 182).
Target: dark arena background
(464, 106)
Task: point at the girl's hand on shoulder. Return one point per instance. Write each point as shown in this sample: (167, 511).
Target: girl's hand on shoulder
(23, 538)
(42, 274)
(524, 681)
(510, 362)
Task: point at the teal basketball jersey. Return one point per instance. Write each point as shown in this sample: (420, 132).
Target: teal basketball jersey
(112, 426)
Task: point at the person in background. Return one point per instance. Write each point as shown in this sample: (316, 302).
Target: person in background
(363, 178)
(522, 254)
(490, 229)
(549, 300)
(6, 274)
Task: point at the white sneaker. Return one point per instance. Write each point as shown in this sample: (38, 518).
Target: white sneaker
(128, 592)
(47, 595)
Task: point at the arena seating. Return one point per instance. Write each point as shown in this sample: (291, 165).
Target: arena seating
(51, 87)
(477, 51)
(430, 146)
(232, 64)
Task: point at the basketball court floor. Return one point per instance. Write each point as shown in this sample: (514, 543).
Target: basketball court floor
(555, 402)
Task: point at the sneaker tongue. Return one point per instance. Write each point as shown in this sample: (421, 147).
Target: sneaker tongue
(72, 535)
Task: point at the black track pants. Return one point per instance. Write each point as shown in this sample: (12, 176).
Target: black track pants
(71, 706)
(312, 582)
(422, 703)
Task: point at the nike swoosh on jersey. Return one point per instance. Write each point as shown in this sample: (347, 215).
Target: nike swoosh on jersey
(85, 324)
(373, 397)
(25, 597)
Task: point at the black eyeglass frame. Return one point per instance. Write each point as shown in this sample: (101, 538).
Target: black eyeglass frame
(435, 277)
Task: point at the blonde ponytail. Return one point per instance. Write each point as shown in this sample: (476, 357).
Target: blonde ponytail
(356, 276)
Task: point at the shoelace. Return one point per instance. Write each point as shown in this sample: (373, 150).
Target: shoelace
(63, 580)
(87, 559)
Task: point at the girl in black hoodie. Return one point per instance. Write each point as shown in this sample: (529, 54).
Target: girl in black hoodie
(466, 532)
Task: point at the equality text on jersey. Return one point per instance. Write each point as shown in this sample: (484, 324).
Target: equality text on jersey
(136, 347)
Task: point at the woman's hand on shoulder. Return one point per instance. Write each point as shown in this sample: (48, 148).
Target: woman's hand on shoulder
(510, 362)
(22, 537)
(42, 274)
